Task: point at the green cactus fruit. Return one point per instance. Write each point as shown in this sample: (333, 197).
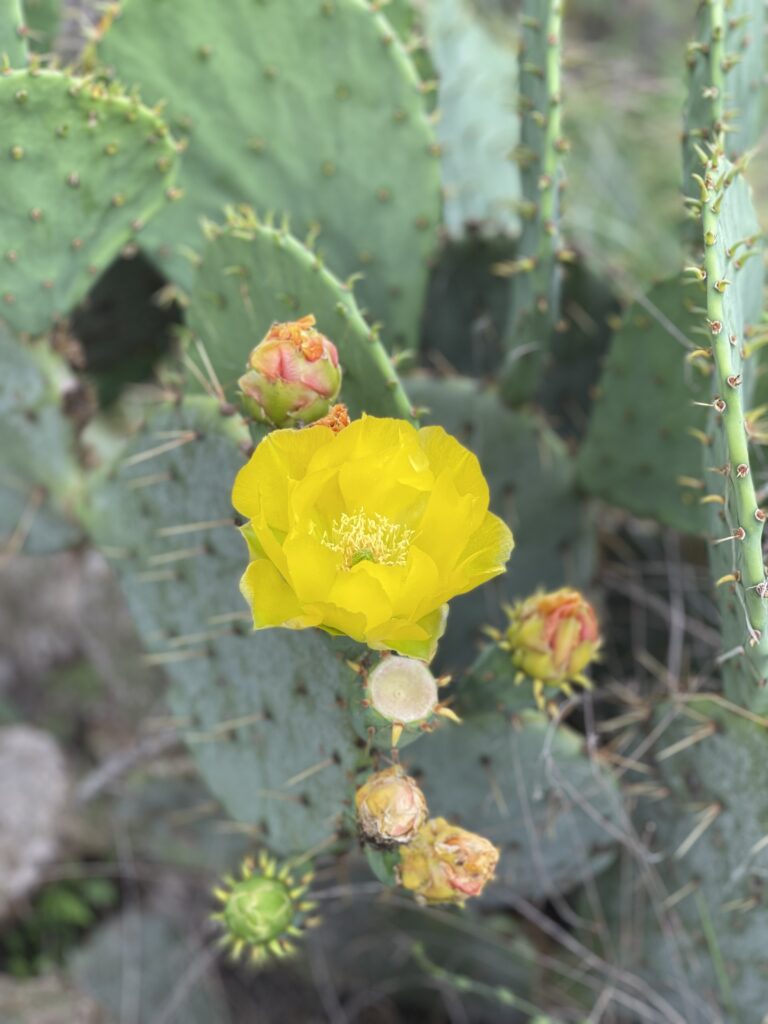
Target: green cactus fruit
(396, 702)
(532, 790)
(312, 111)
(263, 910)
(13, 35)
(531, 480)
(476, 62)
(536, 271)
(264, 713)
(250, 275)
(639, 452)
(40, 477)
(84, 167)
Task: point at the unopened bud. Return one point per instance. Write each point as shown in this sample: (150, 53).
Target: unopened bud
(293, 375)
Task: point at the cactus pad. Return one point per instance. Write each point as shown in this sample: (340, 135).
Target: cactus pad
(638, 452)
(13, 34)
(310, 110)
(529, 788)
(39, 473)
(83, 168)
(251, 275)
(263, 713)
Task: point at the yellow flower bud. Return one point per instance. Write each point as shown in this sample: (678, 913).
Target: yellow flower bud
(553, 638)
(447, 864)
(390, 808)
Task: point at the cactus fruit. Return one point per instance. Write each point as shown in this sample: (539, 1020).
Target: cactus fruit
(641, 450)
(263, 910)
(551, 639)
(84, 169)
(368, 190)
(250, 275)
(293, 375)
(446, 864)
(397, 702)
(390, 808)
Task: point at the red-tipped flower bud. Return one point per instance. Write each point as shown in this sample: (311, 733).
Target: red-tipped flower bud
(447, 864)
(553, 637)
(390, 808)
(293, 375)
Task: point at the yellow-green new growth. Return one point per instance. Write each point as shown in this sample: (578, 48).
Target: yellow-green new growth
(263, 910)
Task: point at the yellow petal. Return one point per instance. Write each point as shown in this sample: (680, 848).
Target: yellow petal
(272, 601)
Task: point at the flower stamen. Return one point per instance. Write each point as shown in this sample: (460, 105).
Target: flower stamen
(364, 538)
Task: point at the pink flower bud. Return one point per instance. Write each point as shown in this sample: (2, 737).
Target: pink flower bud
(293, 375)
(553, 637)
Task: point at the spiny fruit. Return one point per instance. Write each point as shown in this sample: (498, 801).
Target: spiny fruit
(263, 910)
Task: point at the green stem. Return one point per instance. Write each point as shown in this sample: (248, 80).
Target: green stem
(748, 528)
(548, 183)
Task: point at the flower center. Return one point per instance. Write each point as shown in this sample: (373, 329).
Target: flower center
(363, 538)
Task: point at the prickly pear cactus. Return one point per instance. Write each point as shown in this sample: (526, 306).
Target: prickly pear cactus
(532, 487)
(535, 272)
(252, 90)
(264, 714)
(733, 268)
(725, 71)
(479, 127)
(251, 274)
(639, 451)
(84, 168)
(13, 34)
(40, 479)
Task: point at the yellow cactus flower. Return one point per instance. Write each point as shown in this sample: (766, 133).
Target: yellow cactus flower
(553, 638)
(366, 532)
(447, 864)
(391, 808)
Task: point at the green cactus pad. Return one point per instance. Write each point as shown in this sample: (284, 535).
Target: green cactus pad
(536, 270)
(83, 168)
(263, 713)
(638, 446)
(532, 488)
(39, 475)
(13, 34)
(310, 110)
(530, 788)
(476, 61)
(737, 77)
(43, 19)
(252, 275)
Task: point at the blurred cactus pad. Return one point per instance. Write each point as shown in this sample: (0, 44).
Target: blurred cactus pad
(384, 602)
